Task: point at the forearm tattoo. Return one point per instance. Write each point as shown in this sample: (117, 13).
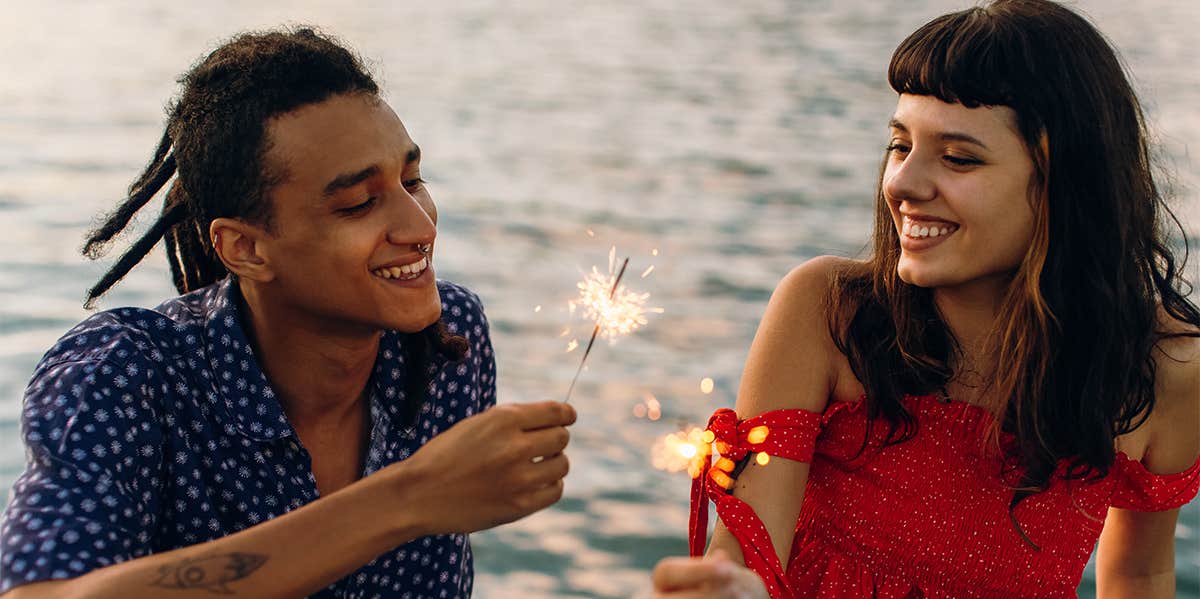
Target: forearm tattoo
(213, 573)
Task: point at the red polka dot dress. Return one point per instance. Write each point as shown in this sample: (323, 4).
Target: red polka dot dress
(927, 517)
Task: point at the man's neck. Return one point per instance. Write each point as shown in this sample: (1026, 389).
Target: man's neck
(317, 373)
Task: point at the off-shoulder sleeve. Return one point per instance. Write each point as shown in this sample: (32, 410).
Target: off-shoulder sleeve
(1144, 491)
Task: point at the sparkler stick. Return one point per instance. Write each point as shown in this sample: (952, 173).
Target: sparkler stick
(595, 331)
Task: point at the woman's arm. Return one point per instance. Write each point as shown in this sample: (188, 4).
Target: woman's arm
(477, 474)
(1136, 554)
(792, 364)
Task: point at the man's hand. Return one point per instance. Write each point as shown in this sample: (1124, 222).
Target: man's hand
(491, 468)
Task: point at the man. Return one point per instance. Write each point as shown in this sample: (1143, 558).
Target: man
(314, 415)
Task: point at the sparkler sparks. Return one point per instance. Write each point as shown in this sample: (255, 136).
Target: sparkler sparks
(616, 310)
(683, 450)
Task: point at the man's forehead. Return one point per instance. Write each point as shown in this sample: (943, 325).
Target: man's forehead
(325, 139)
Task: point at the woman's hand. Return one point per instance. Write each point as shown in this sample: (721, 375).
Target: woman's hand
(711, 576)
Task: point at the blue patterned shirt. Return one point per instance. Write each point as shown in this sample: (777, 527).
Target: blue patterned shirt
(147, 431)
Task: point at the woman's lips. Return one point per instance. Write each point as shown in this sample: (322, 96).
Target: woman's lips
(919, 234)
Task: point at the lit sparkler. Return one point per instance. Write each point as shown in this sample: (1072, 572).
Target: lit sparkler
(683, 450)
(616, 310)
(599, 307)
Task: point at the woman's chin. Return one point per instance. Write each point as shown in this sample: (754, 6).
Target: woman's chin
(920, 277)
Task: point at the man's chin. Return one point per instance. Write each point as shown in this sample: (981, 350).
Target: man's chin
(413, 322)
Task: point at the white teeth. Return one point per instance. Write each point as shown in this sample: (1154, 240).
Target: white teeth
(916, 231)
(406, 271)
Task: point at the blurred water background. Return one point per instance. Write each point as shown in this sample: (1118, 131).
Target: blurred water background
(736, 139)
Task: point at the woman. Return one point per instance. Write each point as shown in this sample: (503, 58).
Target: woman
(1012, 375)
(313, 416)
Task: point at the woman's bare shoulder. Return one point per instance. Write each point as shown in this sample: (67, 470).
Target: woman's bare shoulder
(812, 279)
(801, 300)
(794, 349)
(1175, 421)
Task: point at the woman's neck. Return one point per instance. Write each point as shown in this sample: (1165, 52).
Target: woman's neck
(969, 312)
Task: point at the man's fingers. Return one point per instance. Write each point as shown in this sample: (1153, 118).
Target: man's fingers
(542, 414)
(549, 470)
(545, 442)
(683, 573)
(546, 496)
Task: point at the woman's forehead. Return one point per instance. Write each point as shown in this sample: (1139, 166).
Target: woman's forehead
(930, 114)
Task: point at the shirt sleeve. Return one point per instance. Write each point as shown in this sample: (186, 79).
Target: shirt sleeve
(482, 348)
(89, 495)
(1144, 491)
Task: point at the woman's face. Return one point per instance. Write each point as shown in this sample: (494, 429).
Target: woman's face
(957, 184)
(354, 225)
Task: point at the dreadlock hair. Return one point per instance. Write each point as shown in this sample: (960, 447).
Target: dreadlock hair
(1074, 332)
(215, 141)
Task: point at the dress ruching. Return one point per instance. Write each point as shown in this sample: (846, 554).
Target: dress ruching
(927, 517)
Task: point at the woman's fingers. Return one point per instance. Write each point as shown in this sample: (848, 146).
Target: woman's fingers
(686, 574)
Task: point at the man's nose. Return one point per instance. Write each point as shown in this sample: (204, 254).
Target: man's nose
(409, 222)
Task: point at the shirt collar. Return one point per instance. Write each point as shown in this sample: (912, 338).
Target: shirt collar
(248, 397)
(390, 376)
(245, 391)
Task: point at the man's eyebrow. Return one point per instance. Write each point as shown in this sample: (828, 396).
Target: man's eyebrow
(944, 136)
(348, 180)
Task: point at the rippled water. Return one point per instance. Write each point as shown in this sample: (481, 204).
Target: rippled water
(737, 139)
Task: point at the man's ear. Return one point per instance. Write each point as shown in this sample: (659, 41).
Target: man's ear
(239, 245)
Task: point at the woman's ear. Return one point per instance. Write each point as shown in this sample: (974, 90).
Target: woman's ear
(239, 246)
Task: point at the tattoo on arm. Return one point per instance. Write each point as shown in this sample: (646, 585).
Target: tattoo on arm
(213, 573)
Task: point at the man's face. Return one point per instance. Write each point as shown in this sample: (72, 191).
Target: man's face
(354, 225)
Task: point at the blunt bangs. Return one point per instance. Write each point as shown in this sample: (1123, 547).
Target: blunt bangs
(970, 57)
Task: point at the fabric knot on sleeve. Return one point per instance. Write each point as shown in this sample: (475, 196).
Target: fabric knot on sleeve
(789, 434)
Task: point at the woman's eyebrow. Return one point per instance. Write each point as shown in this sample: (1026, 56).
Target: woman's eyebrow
(347, 180)
(944, 135)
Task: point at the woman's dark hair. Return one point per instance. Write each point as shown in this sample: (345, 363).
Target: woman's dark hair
(1075, 330)
(215, 140)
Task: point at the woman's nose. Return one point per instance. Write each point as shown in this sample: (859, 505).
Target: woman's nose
(909, 179)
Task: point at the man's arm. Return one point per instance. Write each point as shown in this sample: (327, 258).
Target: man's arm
(293, 555)
(476, 475)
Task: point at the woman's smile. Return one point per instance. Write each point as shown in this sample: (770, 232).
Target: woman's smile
(919, 233)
